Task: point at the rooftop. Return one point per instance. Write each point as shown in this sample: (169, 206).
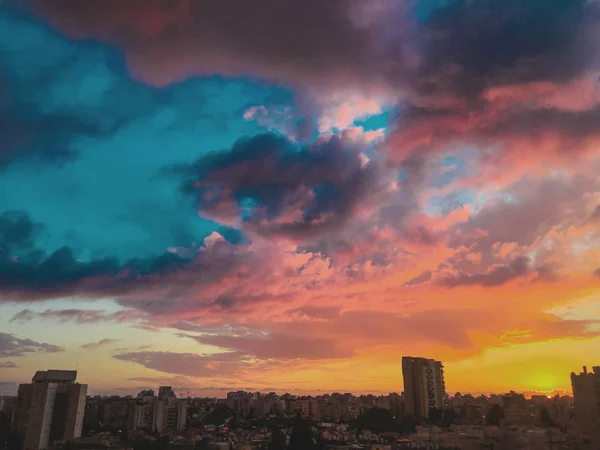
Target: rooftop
(54, 375)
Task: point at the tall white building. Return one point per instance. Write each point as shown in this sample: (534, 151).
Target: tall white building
(50, 408)
(424, 386)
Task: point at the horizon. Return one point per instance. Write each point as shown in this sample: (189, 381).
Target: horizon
(297, 195)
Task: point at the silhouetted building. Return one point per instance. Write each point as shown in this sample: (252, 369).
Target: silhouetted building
(424, 386)
(586, 398)
(50, 409)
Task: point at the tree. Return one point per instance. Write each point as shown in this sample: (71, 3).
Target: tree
(277, 440)
(449, 417)
(302, 437)
(219, 415)
(434, 416)
(409, 424)
(378, 420)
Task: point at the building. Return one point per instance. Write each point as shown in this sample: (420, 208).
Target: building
(586, 398)
(171, 415)
(162, 414)
(165, 392)
(50, 409)
(516, 410)
(586, 393)
(424, 386)
(241, 401)
(8, 405)
(307, 407)
(143, 411)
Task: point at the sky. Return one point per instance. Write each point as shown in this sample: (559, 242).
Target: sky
(290, 198)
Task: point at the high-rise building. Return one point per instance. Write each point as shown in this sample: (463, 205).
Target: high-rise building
(424, 386)
(586, 394)
(50, 408)
(171, 414)
(162, 414)
(143, 411)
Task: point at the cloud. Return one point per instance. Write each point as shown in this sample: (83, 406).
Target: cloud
(428, 45)
(190, 364)
(469, 46)
(17, 232)
(419, 279)
(496, 276)
(315, 312)
(274, 42)
(7, 365)
(280, 346)
(597, 273)
(39, 121)
(531, 207)
(12, 346)
(101, 343)
(267, 185)
(32, 273)
(82, 316)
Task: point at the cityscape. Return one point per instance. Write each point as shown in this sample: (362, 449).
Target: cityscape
(55, 412)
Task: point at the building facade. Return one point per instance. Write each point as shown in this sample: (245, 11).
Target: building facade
(50, 409)
(424, 386)
(162, 414)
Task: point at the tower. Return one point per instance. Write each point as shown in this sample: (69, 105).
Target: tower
(50, 408)
(424, 386)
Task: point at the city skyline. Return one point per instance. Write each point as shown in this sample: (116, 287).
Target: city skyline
(296, 196)
(223, 392)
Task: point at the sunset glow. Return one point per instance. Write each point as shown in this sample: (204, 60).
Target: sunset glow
(297, 202)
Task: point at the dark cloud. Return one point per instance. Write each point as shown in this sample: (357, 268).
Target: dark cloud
(496, 276)
(468, 50)
(12, 346)
(597, 273)
(17, 232)
(275, 188)
(311, 40)
(596, 214)
(470, 45)
(7, 365)
(461, 46)
(101, 343)
(27, 271)
(419, 279)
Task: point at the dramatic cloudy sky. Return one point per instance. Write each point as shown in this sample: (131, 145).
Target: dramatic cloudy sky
(294, 195)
